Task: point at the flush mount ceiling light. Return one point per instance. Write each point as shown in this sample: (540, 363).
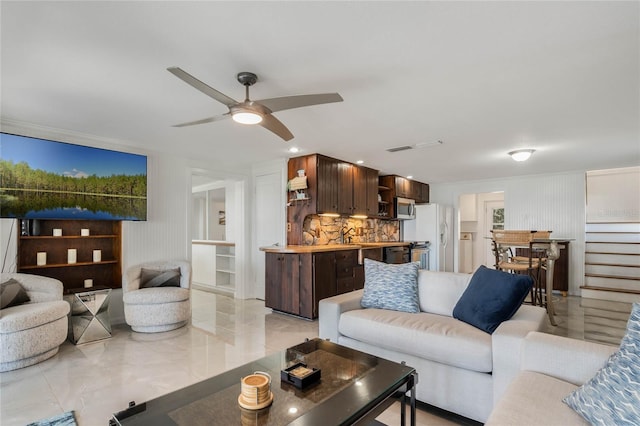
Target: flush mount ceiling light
(294, 149)
(360, 162)
(521, 154)
(246, 117)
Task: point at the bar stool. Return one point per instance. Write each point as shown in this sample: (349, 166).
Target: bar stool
(504, 241)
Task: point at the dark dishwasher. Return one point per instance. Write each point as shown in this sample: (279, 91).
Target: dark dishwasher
(396, 254)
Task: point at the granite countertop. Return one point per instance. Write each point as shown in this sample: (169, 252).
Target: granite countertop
(330, 247)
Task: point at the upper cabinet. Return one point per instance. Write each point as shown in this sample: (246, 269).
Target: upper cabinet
(337, 186)
(468, 211)
(334, 186)
(325, 187)
(405, 188)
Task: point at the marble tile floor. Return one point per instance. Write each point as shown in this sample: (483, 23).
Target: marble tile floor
(99, 378)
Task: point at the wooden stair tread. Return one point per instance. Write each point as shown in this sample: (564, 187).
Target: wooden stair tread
(616, 290)
(618, 277)
(612, 253)
(612, 242)
(612, 264)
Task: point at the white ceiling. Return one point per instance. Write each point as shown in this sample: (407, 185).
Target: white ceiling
(484, 77)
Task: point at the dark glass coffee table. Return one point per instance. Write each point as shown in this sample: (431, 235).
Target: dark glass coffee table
(354, 388)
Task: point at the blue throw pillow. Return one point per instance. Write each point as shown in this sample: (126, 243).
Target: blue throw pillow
(612, 396)
(389, 286)
(491, 298)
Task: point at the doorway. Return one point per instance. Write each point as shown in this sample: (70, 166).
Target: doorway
(216, 224)
(493, 219)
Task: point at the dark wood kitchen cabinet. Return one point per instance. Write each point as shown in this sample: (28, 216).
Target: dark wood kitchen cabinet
(296, 282)
(334, 186)
(405, 188)
(282, 282)
(365, 191)
(327, 184)
(345, 188)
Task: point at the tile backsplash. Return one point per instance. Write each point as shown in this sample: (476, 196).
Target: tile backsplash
(323, 230)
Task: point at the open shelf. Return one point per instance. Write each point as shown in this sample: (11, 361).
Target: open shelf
(104, 235)
(69, 265)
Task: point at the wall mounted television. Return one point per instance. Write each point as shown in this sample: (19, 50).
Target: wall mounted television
(46, 179)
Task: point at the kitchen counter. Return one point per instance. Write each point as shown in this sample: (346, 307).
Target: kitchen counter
(330, 247)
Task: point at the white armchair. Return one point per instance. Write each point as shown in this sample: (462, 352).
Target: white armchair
(33, 332)
(157, 309)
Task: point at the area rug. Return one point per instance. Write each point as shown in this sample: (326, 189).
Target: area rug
(64, 419)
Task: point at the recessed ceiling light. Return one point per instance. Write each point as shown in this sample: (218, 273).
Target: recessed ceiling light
(360, 162)
(294, 149)
(409, 177)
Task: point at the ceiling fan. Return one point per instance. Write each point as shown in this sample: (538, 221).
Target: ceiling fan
(253, 112)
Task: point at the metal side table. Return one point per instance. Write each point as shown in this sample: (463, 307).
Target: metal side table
(89, 316)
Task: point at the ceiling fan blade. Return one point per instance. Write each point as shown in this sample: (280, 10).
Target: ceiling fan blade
(290, 102)
(204, 120)
(204, 88)
(271, 123)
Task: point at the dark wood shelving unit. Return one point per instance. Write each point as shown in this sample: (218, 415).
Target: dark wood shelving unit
(105, 236)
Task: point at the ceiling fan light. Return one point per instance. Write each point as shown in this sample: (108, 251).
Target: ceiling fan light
(246, 117)
(521, 154)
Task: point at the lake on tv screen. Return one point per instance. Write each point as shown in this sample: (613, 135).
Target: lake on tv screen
(47, 205)
(43, 179)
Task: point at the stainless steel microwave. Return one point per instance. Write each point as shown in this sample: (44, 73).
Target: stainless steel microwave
(405, 208)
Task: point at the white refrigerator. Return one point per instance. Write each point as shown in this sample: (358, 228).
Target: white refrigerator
(433, 223)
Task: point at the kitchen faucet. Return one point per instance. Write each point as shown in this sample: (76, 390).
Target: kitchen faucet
(344, 233)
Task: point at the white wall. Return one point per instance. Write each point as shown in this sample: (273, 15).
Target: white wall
(163, 236)
(269, 217)
(554, 202)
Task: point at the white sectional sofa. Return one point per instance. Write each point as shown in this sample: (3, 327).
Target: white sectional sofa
(551, 368)
(461, 369)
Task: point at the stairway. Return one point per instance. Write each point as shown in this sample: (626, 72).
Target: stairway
(612, 262)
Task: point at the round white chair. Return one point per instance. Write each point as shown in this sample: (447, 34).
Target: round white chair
(33, 332)
(157, 309)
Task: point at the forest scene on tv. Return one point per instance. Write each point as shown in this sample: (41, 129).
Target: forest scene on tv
(43, 179)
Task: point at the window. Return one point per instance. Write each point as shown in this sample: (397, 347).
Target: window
(497, 221)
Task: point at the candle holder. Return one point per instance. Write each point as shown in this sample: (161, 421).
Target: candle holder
(97, 255)
(41, 258)
(72, 256)
(57, 232)
(84, 232)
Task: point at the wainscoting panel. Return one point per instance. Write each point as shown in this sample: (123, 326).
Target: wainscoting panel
(553, 203)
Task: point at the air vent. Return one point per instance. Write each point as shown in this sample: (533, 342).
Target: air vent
(416, 146)
(400, 148)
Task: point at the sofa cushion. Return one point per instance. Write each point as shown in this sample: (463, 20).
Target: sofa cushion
(12, 294)
(491, 298)
(438, 292)
(155, 295)
(612, 396)
(159, 278)
(534, 399)
(32, 315)
(389, 286)
(435, 337)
